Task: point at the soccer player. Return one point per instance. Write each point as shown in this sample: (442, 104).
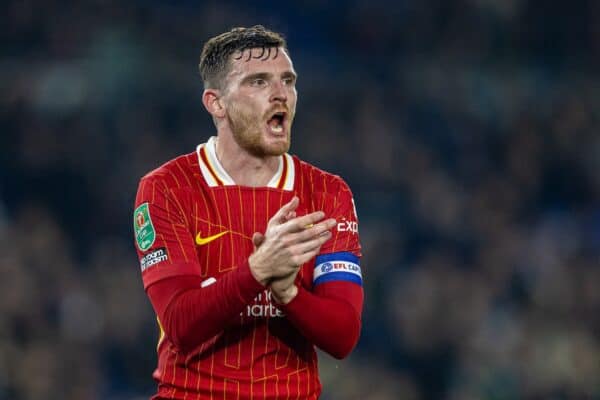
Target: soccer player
(250, 256)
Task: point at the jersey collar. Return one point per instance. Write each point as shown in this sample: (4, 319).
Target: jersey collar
(215, 175)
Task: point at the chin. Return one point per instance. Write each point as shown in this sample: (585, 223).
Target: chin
(279, 146)
(275, 149)
(262, 144)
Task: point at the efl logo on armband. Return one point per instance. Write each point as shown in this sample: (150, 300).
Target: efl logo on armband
(343, 266)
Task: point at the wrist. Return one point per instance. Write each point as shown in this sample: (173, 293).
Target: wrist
(284, 296)
(257, 272)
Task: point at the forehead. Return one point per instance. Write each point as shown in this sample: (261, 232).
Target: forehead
(258, 60)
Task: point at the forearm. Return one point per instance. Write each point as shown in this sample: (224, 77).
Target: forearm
(331, 323)
(191, 314)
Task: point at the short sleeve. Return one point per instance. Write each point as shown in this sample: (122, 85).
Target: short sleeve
(339, 259)
(164, 244)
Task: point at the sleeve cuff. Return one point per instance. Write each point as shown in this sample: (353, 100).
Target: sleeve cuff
(297, 304)
(248, 285)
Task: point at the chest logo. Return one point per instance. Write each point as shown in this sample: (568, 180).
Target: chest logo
(201, 241)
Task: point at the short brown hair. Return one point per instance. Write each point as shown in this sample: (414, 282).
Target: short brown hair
(214, 60)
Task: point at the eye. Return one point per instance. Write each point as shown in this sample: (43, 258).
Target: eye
(289, 81)
(259, 82)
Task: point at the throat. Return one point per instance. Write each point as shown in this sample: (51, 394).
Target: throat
(255, 175)
(244, 168)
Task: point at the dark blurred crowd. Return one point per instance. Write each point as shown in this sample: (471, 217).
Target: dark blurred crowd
(467, 129)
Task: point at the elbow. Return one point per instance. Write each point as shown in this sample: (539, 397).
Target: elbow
(341, 353)
(347, 340)
(343, 350)
(182, 341)
(173, 332)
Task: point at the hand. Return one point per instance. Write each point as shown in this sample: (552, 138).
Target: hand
(288, 243)
(283, 289)
(258, 238)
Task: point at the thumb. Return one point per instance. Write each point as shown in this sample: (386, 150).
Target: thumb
(257, 239)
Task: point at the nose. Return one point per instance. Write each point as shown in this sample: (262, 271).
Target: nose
(279, 93)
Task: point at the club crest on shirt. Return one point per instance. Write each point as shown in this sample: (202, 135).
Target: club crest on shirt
(143, 228)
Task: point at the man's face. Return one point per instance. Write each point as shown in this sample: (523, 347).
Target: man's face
(260, 100)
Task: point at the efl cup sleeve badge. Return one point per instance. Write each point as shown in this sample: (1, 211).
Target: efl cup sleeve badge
(143, 228)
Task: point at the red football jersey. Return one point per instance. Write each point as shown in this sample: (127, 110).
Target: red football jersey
(192, 219)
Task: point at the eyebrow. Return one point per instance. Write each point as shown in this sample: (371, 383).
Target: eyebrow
(289, 74)
(267, 76)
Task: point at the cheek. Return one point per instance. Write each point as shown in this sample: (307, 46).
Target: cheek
(247, 107)
(239, 110)
(245, 115)
(292, 99)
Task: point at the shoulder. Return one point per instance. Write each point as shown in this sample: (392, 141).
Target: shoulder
(317, 179)
(176, 173)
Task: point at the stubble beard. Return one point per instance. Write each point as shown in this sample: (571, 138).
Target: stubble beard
(247, 129)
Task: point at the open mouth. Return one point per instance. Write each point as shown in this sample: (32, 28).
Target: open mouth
(276, 122)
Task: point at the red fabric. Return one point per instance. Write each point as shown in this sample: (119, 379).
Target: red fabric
(228, 339)
(191, 314)
(331, 318)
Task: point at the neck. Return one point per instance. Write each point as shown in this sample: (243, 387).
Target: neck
(244, 168)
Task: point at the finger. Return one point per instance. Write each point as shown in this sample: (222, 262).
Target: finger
(311, 245)
(291, 215)
(257, 239)
(310, 233)
(306, 257)
(314, 231)
(300, 223)
(280, 215)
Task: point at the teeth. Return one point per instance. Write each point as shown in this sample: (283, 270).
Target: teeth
(277, 128)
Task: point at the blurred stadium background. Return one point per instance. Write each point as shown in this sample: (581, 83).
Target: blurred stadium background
(468, 130)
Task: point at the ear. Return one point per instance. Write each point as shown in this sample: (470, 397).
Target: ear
(211, 98)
